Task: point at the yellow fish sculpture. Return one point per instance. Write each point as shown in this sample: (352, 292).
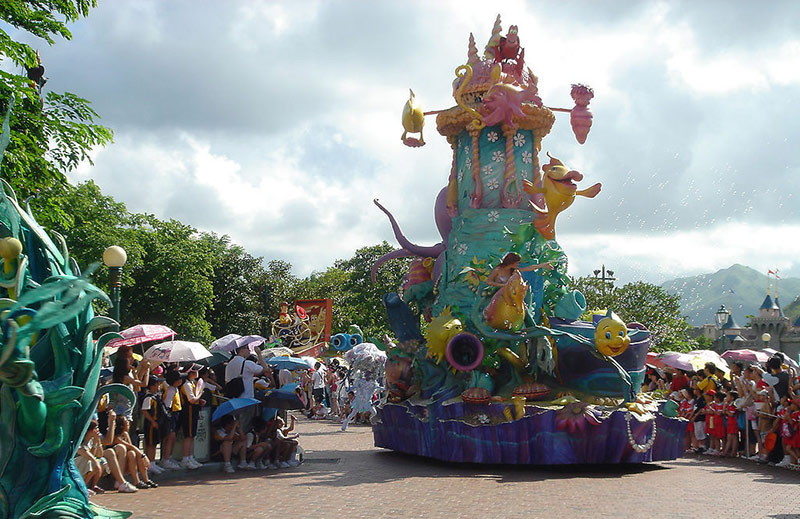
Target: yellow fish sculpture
(611, 335)
(413, 121)
(440, 331)
(559, 190)
(506, 311)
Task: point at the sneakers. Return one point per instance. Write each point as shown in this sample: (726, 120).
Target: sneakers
(191, 463)
(127, 488)
(272, 466)
(155, 469)
(294, 463)
(251, 466)
(283, 465)
(170, 464)
(242, 465)
(785, 462)
(228, 468)
(260, 465)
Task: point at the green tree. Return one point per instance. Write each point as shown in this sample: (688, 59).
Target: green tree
(96, 222)
(641, 302)
(238, 284)
(363, 299)
(279, 285)
(51, 134)
(172, 284)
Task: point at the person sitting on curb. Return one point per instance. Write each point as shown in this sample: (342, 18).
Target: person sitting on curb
(259, 446)
(90, 461)
(138, 463)
(232, 441)
(115, 455)
(286, 443)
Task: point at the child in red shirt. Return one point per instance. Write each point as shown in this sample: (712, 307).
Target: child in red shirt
(714, 422)
(731, 425)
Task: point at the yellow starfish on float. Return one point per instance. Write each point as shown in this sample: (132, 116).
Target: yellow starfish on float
(439, 333)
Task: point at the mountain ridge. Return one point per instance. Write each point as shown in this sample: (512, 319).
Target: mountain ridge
(738, 287)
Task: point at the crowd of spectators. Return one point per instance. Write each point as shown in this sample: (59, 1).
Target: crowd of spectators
(131, 444)
(752, 412)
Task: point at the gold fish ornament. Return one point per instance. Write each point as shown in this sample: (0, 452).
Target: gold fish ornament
(413, 121)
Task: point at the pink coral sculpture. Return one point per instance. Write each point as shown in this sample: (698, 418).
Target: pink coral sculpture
(580, 116)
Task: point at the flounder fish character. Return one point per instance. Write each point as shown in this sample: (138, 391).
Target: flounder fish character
(413, 121)
(506, 311)
(559, 190)
(611, 335)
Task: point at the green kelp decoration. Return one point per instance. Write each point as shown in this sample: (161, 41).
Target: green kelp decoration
(49, 368)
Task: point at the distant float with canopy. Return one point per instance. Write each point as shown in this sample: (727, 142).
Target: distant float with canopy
(506, 371)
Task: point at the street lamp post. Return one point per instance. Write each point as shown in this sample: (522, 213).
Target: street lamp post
(766, 338)
(601, 275)
(721, 317)
(114, 258)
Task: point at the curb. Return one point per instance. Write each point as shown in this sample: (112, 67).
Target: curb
(210, 467)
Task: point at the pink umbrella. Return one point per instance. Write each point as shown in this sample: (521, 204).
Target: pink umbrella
(677, 360)
(654, 360)
(746, 355)
(139, 334)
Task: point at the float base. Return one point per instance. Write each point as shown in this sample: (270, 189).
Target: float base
(479, 433)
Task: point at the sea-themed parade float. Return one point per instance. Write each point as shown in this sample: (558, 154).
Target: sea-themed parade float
(50, 366)
(505, 371)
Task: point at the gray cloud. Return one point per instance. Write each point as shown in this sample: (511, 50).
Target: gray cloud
(264, 95)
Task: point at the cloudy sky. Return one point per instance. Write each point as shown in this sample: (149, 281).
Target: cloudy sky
(278, 122)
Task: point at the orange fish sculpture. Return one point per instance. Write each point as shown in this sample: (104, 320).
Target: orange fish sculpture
(559, 190)
(506, 311)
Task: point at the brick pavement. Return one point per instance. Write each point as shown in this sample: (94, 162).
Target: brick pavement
(346, 476)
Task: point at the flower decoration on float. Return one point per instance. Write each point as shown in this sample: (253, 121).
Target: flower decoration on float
(574, 416)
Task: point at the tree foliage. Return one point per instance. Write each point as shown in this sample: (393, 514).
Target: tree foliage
(53, 133)
(644, 303)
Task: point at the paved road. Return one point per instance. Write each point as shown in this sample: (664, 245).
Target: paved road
(345, 476)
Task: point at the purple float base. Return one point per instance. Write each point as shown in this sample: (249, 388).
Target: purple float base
(446, 433)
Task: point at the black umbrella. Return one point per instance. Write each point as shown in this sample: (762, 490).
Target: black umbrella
(283, 398)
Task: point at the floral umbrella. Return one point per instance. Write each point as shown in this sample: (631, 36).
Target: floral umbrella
(139, 334)
(177, 351)
(222, 342)
(699, 358)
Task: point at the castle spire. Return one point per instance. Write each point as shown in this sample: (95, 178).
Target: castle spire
(472, 53)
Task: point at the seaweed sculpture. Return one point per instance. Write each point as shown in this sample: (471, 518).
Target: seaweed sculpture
(49, 367)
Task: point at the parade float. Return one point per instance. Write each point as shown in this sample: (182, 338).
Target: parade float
(50, 365)
(506, 371)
